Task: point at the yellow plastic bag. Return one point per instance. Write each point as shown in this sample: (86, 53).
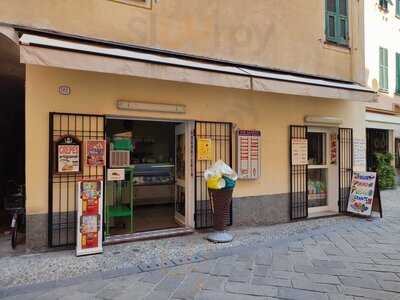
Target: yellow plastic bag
(216, 182)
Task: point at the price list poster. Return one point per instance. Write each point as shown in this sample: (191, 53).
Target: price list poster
(249, 154)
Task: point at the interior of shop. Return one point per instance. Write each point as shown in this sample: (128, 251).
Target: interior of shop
(149, 155)
(12, 135)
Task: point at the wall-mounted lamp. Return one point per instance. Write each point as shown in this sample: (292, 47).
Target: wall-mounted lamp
(326, 120)
(156, 107)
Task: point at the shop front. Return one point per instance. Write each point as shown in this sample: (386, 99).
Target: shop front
(159, 121)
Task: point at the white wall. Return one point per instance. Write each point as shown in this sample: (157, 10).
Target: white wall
(382, 29)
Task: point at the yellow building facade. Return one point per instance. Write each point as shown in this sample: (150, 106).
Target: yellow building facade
(265, 67)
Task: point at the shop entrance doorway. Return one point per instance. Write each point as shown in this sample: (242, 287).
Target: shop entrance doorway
(151, 157)
(322, 170)
(377, 142)
(319, 185)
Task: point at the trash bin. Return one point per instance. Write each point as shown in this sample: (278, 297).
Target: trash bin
(220, 204)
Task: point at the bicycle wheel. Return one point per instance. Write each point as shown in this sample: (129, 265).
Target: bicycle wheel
(14, 230)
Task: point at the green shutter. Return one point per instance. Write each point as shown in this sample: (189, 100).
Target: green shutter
(336, 21)
(383, 69)
(398, 8)
(397, 73)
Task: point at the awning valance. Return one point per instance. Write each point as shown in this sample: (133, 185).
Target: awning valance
(81, 55)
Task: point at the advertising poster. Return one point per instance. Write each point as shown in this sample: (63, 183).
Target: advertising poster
(115, 174)
(95, 153)
(204, 149)
(360, 153)
(362, 193)
(68, 152)
(299, 152)
(90, 206)
(249, 154)
(333, 139)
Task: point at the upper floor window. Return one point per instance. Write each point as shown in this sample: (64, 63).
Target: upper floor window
(337, 22)
(398, 8)
(383, 70)
(384, 4)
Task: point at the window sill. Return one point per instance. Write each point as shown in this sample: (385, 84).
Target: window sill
(337, 47)
(136, 3)
(384, 91)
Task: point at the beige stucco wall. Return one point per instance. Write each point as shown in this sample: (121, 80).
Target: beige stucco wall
(287, 35)
(97, 93)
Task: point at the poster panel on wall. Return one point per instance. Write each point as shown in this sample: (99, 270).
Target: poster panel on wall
(90, 219)
(95, 153)
(68, 155)
(299, 152)
(204, 149)
(115, 174)
(249, 154)
(362, 193)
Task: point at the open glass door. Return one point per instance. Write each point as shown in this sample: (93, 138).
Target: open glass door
(322, 170)
(180, 141)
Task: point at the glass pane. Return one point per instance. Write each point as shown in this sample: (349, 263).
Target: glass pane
(343, 34)
(180, 157)
(343, 7)
(317, 188)
(331, 26)
(316, 148)
(331, 5)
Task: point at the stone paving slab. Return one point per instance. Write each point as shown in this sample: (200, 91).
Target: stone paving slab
(324, 263)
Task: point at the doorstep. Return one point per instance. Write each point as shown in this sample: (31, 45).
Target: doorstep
(149, 235)
(323, 214)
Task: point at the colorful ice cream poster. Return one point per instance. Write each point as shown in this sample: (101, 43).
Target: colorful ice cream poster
(90, 206)
(362, 193)
(95, 153)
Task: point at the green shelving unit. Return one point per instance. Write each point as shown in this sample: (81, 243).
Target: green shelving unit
(121, 193)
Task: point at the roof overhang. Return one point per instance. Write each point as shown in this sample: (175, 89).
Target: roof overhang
(88, 56)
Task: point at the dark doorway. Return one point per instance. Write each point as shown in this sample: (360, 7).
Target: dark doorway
(377, 142)
(150, 195)
(12, 122)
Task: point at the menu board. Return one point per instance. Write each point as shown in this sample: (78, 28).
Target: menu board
(360, 153)
(362, 193)
(68, 155)
(90, 207)
(95, 153)
(299, 151)
(249, 152)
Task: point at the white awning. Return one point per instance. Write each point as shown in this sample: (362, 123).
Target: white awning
(81, 55)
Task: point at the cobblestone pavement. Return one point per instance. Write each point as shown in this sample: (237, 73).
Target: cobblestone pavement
(350, 259)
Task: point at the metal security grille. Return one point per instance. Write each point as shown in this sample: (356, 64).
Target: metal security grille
(298, 178)
(345, 166)
(377, 142)
(63, 188)
(221, 137)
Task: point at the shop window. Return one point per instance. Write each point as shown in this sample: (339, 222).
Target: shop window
(316, 148)
(383, 70)
(317, 173)
(317, 188)
(337, 22)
